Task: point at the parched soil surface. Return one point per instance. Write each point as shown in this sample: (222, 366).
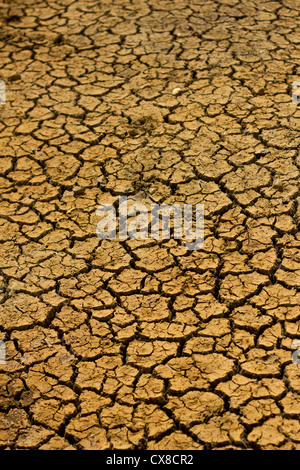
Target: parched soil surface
(143, 344)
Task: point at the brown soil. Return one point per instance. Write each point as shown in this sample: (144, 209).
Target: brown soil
(142, 344)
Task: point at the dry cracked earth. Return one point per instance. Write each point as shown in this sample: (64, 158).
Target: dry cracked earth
(142, 343)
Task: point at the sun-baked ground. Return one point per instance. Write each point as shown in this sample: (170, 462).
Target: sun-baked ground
(143, 344)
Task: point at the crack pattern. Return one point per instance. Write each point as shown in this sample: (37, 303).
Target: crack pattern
(140, 344)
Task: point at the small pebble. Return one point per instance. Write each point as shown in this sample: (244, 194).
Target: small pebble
(176, 91)
(262, 152)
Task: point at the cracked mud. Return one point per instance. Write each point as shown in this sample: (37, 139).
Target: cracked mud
(142, 344)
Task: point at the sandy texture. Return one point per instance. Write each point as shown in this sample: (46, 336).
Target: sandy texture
(141, 344)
